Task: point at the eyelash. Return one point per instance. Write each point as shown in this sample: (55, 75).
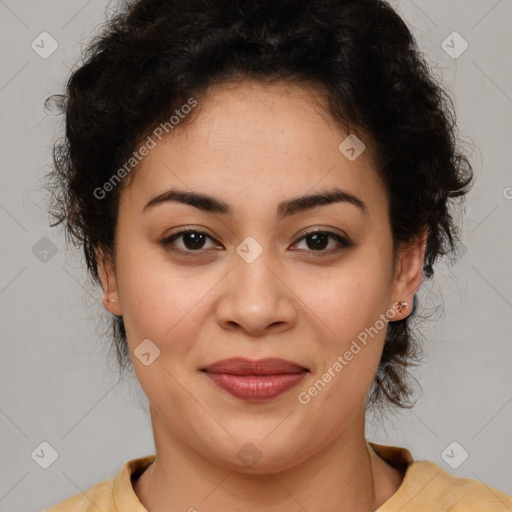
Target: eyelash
(344, 243)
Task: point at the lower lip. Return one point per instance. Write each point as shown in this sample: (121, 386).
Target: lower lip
(256, 388)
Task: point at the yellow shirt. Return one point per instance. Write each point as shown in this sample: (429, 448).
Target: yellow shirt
(426, 487)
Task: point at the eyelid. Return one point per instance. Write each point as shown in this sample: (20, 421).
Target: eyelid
(342, 239)
(166, 241)
(327, 231)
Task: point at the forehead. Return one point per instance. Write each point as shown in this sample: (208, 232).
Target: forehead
(254, 140)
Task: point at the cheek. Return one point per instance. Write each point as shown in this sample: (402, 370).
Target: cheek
(166, 307)
(347, 350)
(154, 297)
(161, 308)
(347, 310)
(346, 301)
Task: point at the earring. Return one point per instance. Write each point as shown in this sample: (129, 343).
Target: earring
(112, 300)
(401, 306)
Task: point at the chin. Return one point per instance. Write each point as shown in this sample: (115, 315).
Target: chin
(258, 456)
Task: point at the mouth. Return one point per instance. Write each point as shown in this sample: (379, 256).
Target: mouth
(255, 380)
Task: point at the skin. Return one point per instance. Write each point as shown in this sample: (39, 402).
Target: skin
(254, 146)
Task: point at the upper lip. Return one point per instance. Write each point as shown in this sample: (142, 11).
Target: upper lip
(243, 366)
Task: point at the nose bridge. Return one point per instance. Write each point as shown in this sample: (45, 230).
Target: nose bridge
(252, 274)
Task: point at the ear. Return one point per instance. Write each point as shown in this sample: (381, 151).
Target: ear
(409, 273)
(106, 273)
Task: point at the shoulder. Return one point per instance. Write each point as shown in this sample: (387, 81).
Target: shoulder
(98, 497)
(427, 487)
(109, 495)
(432, 485)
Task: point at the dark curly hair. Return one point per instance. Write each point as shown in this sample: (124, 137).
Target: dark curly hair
(152, 56)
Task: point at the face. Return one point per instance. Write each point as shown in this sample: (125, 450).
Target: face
(253, 280)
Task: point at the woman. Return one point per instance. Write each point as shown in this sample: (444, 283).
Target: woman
(260, 188)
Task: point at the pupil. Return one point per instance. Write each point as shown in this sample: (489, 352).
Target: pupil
(319, 241)
(194, 240)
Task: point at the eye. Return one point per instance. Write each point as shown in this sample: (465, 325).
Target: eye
(317, 241)
(192, 241)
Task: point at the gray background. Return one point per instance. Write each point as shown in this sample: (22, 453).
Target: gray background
(58, 386)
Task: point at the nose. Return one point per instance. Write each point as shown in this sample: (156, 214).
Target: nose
(255, 298)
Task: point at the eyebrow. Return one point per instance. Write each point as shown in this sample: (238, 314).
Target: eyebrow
(286, 208)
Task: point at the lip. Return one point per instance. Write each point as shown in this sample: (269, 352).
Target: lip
(243, 366)
(255, 380)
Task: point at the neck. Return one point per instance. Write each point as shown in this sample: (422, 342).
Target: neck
(345, 475)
